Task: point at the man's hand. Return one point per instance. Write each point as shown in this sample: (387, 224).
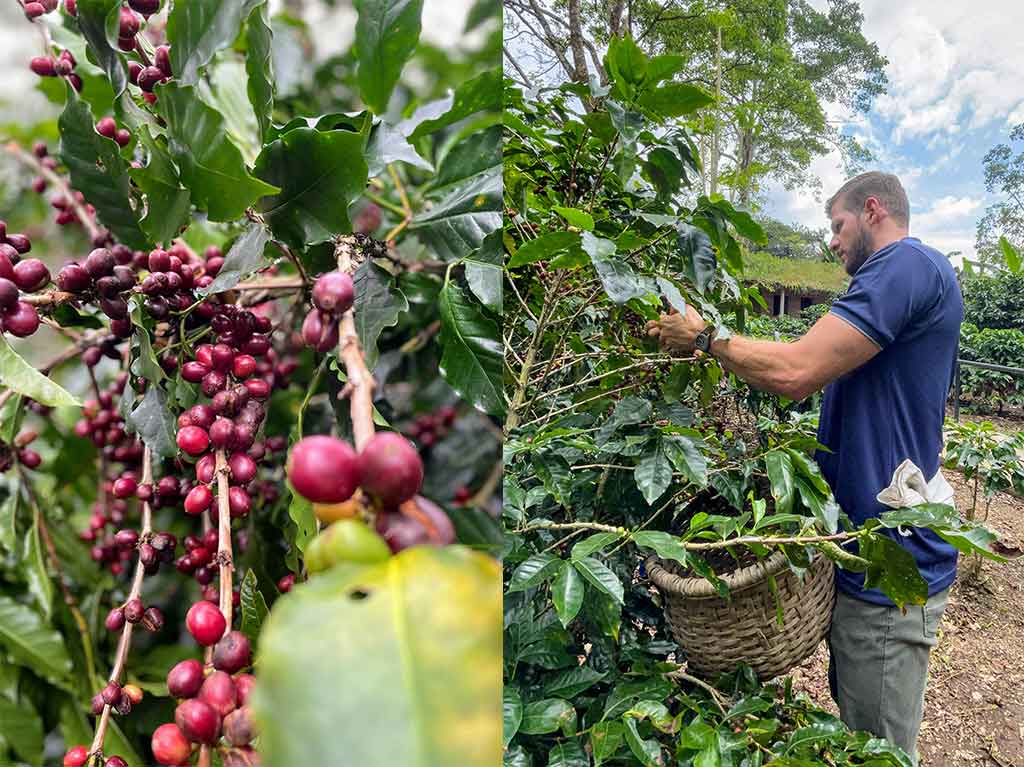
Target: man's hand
(677, 332)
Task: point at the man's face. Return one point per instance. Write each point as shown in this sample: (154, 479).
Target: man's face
(850, 239)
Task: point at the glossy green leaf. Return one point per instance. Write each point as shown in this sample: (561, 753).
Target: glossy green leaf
(647, 750)
(813, 733)
(320, 174)
(259, 65)
(389, 144)
(31, 642)
(458, 224)
(301, 513)
(618, 278)
(9, 523)
(39, 584)
(676, 99)
(473, 352)
(567, 593)
(154, 422)
(548, 715)
(605, 740)
(533, 572)
(823, 506)
(653, 473)
(570, 682)
(567, 754)
(780, 474)
(576, 217)
(892, 570)
(378, 305)
(665, 545)
(245, 257)
(98, 21)
(544, 247)
(17, 375)
(484, 273)
(254, 607)
(168, 203)
(211, 166)
(22, 728)
(511, 713)
(699, 261)
(601, 577)
(1010, 255)
(687, 458)
(482, 93)
(386, 35)
(198, 29)
(594, 543)
(99, 172)
(473, 154)
(422, 675)
(967, 537)
(225, 89)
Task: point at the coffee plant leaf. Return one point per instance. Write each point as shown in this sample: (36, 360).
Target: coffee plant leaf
(23, 730)
(259, 65)
(153, 421)
(198, 29)
(472, 357)
(387, 32)
(17, 375)
(405, 656)
(675, 99)
(379, 305)
(31, 642)
(254, 607)
(567, 592)
(245, 256)
(211, 166)
(473, 154)
(389, 144)
(892, 570)
(605, 740)
(567, 754)
(319, 174)
(601, 577)
(168, 203)
(40, 587)
(98, 22)
(481, 93)
(484, 273)
(99, 172)
(546, 716)
(459, 222)
(511, 713)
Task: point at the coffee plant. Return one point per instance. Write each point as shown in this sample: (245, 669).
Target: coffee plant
(616, 451)
(249, 500)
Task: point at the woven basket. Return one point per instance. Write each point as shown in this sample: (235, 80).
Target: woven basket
(717, 635)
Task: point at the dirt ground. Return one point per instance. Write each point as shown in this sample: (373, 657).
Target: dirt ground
(974, 705)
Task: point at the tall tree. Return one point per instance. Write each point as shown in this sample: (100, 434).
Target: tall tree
(1004, 175)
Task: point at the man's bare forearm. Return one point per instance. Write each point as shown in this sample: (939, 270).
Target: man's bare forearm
(765, 365)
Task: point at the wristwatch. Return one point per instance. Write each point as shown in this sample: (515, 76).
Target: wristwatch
(705, 338)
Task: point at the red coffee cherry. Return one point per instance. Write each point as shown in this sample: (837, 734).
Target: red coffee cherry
(107, 127)
(243, 468)
(219, 691)
(198, 500)
(244, 684)
(73, 279)
(205, 623)
(391, 468)
(232, 653)
(170, 746)
(134, 610)
(22, 321)
(334, 293)
(193, 440)
(323, 469)
(239, 727)
(197, 721)
(76, 757)
(31, 274)
(185, 679)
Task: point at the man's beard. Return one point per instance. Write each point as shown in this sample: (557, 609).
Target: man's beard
(858, 252)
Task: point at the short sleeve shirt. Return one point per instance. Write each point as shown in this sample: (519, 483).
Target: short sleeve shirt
(907, 300)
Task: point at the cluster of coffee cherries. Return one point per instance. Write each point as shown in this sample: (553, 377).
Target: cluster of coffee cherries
(42, 153)
(21, 452)
(60, 66)
(19, 275)
(66, 213)
(199, 561)
(148, 77)
(213, 702)
(327, 471)
(107, 127)
(333, 295)
(428, 429)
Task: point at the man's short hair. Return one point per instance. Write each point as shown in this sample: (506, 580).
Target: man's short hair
(883, 186)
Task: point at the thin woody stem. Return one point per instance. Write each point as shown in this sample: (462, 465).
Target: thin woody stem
(360, 379)
(126, 633)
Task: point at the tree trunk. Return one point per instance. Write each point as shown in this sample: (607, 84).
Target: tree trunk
(715, 147)
(615, 18)
(745, 156)
(576, 42)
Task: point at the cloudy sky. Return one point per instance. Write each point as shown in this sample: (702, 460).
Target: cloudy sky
(956, 87)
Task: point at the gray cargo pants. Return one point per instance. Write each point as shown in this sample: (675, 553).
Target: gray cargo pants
(878, 665)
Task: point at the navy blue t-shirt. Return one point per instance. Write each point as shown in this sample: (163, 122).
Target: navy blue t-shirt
(906, 299)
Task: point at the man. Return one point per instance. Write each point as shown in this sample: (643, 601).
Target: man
(885, 354)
